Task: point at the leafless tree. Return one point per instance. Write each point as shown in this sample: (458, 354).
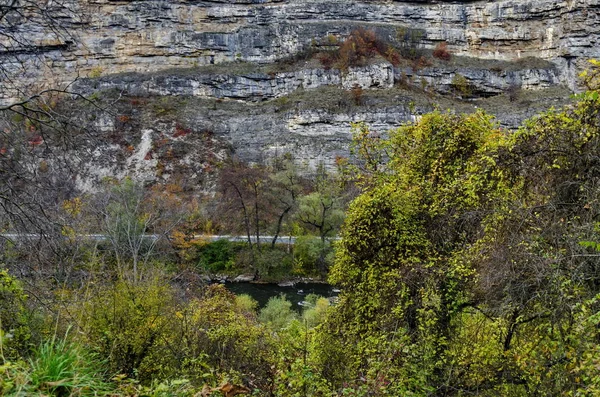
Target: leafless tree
(43, 132)
(242, 189)
(134, 223)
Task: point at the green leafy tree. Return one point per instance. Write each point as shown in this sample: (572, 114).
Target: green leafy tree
(461, 228)
(285, 187)
(126, 322)
(322, 211)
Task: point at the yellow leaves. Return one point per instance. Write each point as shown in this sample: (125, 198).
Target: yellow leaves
(591, 77)
(68, 232)
(73, 207)
(95, 72)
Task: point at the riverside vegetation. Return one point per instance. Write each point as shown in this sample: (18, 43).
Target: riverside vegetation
(468, 265)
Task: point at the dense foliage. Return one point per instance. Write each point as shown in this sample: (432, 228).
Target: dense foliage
(468, 265)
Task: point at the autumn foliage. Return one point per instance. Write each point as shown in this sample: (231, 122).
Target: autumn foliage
(358, 48)
(441, 51)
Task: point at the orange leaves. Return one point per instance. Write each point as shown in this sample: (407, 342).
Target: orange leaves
(36, 140)
(441, 51)
(360, 46)
(181, 131)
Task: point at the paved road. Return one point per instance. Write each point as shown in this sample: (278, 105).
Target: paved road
(103, 237)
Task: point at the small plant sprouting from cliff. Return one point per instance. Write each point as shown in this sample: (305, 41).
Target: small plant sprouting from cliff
(180, 131)
(96, 72)
(513, 91)
(461, 86)
(441, 51)
(357, 94)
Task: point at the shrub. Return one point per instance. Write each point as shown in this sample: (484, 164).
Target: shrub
(315, 313)
(421, 62)
(245, 303)
(299, 375)
(308, 251)
(181, 131)
(513, 91)
(272, 264)
(15, 332)
(441, 51)
(461, 85)
(277, 313)
(219, 333)
(357, 48)
(125, 322)
(327, 59)
(410, 42)
(357, 92)
(217, 256)
(360, 46)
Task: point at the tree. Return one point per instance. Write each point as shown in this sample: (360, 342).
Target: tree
(134, 225)
(285, 188)
(322, 210)
(467, 255)
(242, 189)
(37, 131)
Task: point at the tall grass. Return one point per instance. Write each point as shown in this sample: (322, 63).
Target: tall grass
(62, 368)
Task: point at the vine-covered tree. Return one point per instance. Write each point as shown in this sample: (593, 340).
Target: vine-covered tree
(467, 257)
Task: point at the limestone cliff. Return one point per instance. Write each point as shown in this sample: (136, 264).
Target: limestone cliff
(242, 69)
(146, 36)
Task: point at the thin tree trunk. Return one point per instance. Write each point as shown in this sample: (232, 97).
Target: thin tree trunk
(246, 218)
(256, 217)
(279, 223)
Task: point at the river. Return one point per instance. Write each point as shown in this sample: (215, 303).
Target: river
(295, 294)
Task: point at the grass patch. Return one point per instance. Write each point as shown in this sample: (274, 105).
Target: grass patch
(60, 368)
(57, 368)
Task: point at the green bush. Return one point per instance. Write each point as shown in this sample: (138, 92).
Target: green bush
(277, 313)
(299, 374)
(217, 256)
(125, 322)
(246, 303)
(461, 86)
(219, 335)
(273, 264)
(15, 331)
(315, 314)
(308, 251)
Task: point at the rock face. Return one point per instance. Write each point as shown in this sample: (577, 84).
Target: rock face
(147, 36)
(249, 86)
(221, 62)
